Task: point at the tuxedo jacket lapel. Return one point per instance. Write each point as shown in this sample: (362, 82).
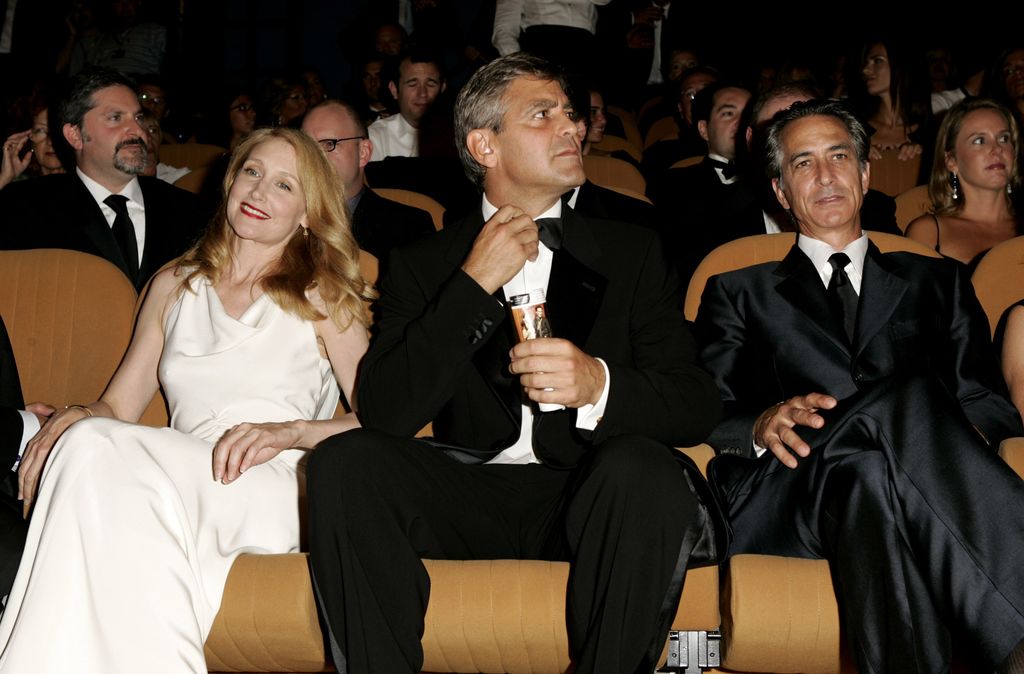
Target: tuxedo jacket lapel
(880, 293)
(575, 290)
(802, 287)
(96, 228)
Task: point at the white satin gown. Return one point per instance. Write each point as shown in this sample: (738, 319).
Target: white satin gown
(131, 540)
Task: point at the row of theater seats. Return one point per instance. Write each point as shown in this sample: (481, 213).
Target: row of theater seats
(70, 316)
(889, 174)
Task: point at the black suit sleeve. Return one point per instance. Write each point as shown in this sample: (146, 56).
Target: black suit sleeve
(662, 393)
(425, 340)
(738, 374)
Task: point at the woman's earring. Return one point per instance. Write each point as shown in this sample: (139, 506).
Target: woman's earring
(954, 180)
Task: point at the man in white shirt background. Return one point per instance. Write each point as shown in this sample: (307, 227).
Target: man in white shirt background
(415, 83)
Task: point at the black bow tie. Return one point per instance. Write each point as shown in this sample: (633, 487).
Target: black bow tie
(728, 168)
(550, 232)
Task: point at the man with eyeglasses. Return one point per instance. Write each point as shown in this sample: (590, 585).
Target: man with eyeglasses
(378, 224)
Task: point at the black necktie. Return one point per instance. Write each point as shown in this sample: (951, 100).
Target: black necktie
(728, 168)
(550, 232)
(124, 232)
(841, 295)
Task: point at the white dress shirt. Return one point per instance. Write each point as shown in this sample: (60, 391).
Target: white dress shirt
(513, 16)
(29, 427)
(819, 252)
(136, 205)
(393, 137)
(533, 276)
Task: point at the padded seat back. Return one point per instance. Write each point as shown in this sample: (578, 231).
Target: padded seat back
(416, 200)
(69, 315)
(999, 278)
(192, 155)
(893, 176)
(611, 172)
(751, 250)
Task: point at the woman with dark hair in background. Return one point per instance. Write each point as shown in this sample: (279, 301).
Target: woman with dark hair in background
(1004, 80)
(30, 152)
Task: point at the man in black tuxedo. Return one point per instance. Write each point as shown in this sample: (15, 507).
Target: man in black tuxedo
(880, 456)
(105, 206)
(593, 482)
(710, 203)
(378, 224)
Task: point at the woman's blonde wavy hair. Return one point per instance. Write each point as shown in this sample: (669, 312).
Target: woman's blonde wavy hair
(327, 259)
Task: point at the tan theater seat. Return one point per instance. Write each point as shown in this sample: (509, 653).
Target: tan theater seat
(69, 315)
(911, 204)
(892, 175)
(611, 172)
(416, 200)
(192, 155)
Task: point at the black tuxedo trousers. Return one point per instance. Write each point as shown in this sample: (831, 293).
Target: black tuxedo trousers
(383, 503)
(920, 520)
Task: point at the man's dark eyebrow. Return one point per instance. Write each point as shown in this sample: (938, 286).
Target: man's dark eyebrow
(832, 148)
(541, 104)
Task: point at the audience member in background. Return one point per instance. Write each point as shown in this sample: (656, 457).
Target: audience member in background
(637, 38)
(661, 155)
(103, 207)
(369, 96)
(130, 44)
(894, 99)
(83, 38)
(710, 203)
(31, 152)
(665, 104)
(316, 91)
(878, 210)
(252, 337)
(378, 224)
(284, 101)
(389, 39)
(1005, 81)
(155, 99)
(561, 31)
(238, 121)
(414, 81)
(154, 167)
(590, 199)
(436, 171)
(973, 177)
(595, 114)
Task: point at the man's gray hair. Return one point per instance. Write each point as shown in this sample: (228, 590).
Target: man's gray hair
(481, 104)
(828, 108)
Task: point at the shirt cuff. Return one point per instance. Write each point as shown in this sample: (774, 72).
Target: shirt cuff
(29, 427)
(589, 416)
(759, 450)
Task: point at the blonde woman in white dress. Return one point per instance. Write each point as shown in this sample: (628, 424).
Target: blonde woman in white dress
(134, 529)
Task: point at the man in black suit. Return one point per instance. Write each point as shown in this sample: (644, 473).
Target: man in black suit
(880, 456)
(105, 207)
(710, 203)
(593, 482)
(378, 224)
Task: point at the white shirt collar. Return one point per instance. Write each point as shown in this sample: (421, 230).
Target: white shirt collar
(819, 253)
(490, 209)
(132, 190)
(719, 172)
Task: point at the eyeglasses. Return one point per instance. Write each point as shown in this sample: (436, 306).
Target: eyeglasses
(155, 100)
(328, 144)
(242, 107)
(38, 133)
